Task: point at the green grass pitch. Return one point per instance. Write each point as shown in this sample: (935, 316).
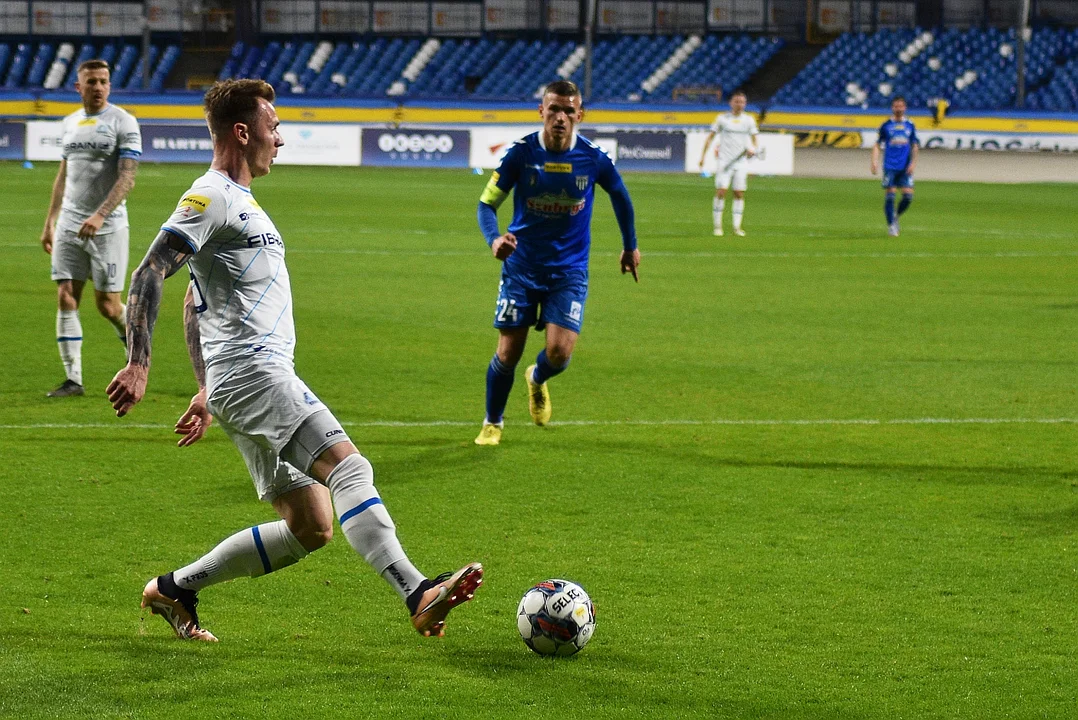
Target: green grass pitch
(815, 472)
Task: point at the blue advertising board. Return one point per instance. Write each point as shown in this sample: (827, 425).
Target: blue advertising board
(176, 143)
(403, 147)
(651, 151)
(12, 140)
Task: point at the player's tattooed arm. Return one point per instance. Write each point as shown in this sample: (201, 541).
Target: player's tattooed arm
(125, 180)
(193, 424)
(194, 340)
(166, 255)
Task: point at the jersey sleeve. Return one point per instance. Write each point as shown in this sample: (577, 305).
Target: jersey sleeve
(606, 175)
(883, 137)
(200, 213)
(716, 124)
(914, 140)
(755, 129)
(505, 177)
(129, 137)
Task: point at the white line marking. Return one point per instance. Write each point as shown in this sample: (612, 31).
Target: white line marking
(120, 425)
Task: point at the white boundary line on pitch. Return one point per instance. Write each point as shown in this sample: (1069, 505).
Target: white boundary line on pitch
(745, 254)
(602, 423)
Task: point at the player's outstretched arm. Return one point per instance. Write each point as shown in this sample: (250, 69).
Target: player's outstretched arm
(193, 424)
(55, 203)
(166, 255)
(125, 180)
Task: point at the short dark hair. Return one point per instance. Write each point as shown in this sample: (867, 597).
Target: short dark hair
(896, 98)
(231, 101)
(564, 88)
(735, 93)
(93, 65)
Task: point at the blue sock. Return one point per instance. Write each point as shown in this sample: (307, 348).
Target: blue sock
(499, 383)
(544, 370)
(904, 203)
(889, 208)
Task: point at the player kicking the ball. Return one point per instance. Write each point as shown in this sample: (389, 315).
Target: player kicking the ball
(240, 336)
(552, 174)
(737, 133)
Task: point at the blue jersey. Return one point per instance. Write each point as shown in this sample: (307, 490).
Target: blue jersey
(896, 139)
(553, 194)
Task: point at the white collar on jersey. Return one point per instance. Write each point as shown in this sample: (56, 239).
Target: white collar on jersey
(572, 142)
(96, 114)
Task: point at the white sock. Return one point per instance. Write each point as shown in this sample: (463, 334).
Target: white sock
(69, 340)
(717, 206)
(249, 553)
(121, 324)
(739, 210)
(366, 524)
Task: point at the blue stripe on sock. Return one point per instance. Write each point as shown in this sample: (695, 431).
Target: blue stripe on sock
(261, 550)
(68, 339)
(360, 508)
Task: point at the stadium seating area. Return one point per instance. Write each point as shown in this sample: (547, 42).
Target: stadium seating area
(972, 69)
(629, 67)
(51, 65)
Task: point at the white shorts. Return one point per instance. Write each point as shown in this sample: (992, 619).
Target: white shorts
(102, 257)
(260, 407)
(739, 176)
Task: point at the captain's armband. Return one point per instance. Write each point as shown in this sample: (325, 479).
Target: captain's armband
(492, 194)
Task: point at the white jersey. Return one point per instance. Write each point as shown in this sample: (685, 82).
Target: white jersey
(735, 135)
(241, 289)
(93, 146)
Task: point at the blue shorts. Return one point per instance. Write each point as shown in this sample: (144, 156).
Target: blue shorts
(538, 297)
(897, 179)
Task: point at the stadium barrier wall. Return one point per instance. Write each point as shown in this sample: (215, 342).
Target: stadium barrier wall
(180, 106)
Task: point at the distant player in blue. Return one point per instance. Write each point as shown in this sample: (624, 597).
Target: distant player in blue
(899, 143)
(553, 174)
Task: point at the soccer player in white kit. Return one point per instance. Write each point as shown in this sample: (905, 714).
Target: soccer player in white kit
(240, 337)
(86, 227)
(737, 133)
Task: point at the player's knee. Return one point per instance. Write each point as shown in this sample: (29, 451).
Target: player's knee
(108, 306)
(313, 533)
(65, 297)
(559, 355)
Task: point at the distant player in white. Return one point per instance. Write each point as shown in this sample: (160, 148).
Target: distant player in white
(737, 133)
(86, 227)
(240, 337)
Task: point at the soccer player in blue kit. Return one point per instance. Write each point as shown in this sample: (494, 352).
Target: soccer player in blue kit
(553, 174)
(898, 140)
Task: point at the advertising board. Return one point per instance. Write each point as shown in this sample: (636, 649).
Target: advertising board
(403, 147)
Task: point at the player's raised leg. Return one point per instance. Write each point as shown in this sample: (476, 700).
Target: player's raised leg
(370, 531)
(551, 361)
(69, 337)
(904, 203)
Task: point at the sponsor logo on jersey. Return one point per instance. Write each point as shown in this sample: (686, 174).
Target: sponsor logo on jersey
(87, 121)
(558, 167)
(264, 240)
(198, 203)
(552, 205)
(103, 145)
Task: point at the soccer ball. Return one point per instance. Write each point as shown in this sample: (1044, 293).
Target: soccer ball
(556, 617)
